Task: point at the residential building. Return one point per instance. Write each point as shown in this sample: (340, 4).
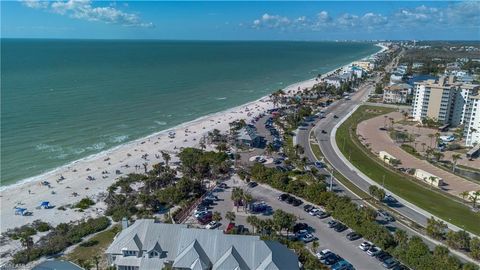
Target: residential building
(248, 136)
(365, 64)
(434, 99)
(397, 93)
(333, 80)
(472, 122)
(147, 244)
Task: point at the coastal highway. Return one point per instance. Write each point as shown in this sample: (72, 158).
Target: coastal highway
(342, 108)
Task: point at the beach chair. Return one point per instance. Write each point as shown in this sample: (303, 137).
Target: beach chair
(21, 211)
(45, 205)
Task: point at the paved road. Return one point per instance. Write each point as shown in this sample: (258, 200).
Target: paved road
(341, 108)
(327, 238)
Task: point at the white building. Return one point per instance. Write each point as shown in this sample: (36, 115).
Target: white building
(396, 93)
(472, 122)
(333, 80)
(429, 178)
(434, 99)
(150, 245)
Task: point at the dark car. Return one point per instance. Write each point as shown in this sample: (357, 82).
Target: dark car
(382, 256)
(297, 202)
(307, 208)
(335, 116)
(324, 131)
(290, 200)
(283, 197)
(321, 214)
(400, 267)
(252, 184)
(340, 227)
(352, 236)
(332, 259)
(332, 223)
(299, 227)
(389, 263)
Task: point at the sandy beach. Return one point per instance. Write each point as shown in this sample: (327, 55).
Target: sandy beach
(90, 177)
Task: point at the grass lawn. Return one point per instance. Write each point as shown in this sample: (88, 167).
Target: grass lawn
(104, 239)
(429, 200)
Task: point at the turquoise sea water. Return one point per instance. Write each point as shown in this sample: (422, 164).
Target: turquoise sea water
(62, 100)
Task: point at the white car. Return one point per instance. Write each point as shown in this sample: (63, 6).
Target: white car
(307, 238)
(212, 225)
(201, 213)
(314, 211)
(373, 250)
(322, 254)
(365, 245)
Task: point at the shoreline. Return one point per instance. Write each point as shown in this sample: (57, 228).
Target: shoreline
(128, 158)
(49, 172)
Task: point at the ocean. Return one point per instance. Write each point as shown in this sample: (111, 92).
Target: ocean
(63, 100)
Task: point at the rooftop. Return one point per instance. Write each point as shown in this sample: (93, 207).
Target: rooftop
(189, 248)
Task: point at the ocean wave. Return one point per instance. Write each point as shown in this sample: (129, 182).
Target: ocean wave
(97, 146)
(48, 148)
(119, 139)
(221, 98)
(161, 123)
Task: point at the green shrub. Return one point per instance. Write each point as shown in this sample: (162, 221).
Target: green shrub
(89, 243)
(84, 203)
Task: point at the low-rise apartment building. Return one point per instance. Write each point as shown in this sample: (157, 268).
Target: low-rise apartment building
(397, 93)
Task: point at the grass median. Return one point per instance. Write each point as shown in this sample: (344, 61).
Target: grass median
(425, 198)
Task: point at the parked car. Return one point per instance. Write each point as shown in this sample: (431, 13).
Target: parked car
(331, 259)
(290, 200)
(400, 267)
(322, 214)
(223, 185)
(373, 250)
(297, 202)
(300, 226)
(200, 213)
(335, 116)
(340, 227)
(230, 227)
(382, 256)
(352, 236)
(212, 225)
(313, 211)
(283, 197)
(323, 253)
(307, 238)
(390, 263)
(319, 165)
(324, 131)
(252, 184)
(365, 245)
(307, 207)
(390, 199)
(332, 223)
(342, 265)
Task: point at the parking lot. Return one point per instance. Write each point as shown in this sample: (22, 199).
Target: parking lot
(328, 238)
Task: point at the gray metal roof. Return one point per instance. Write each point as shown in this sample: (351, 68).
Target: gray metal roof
(199, 248)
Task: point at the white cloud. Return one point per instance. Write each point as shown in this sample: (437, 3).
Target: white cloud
(271, 21)
(84, 10)
(35, 4)
(465, 14)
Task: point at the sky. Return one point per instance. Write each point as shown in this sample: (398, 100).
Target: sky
(241, 20)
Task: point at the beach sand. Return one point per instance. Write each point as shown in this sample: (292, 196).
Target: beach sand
(124, 158)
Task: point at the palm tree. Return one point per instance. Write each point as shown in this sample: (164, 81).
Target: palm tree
(474, 198)
(254, 221)
(216, 216)
(96, 260)
(315, 246)
(165, 157)
(455, 158)
(400, 236)
(405, 115)
(237, 196)
(230, 216)
(248, 199)
(464, 194)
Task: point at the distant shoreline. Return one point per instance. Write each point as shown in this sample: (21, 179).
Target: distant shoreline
(161, 132)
